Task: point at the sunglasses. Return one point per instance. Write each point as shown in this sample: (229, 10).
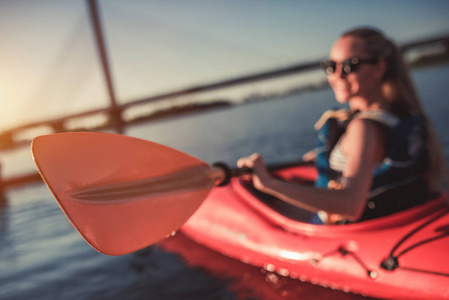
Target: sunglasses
(348, 66)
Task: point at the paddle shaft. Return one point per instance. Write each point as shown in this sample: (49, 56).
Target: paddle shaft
(192, 178)
(223, 173)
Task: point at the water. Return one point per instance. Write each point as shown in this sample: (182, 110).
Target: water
(43, 257)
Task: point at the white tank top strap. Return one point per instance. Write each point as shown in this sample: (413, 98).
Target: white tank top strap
(337, 159)
(380, 116)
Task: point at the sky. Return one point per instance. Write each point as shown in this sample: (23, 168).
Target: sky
(50, 66)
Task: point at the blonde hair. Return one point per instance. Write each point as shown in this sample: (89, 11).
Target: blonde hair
(398, 89)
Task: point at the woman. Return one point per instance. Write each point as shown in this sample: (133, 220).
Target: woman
(379, 156)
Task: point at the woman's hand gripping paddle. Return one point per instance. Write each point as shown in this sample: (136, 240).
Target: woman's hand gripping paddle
(121, 193)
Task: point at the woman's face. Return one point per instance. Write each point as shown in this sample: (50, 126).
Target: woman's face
(364, 83)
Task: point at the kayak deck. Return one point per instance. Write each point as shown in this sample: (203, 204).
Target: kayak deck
(234, 222)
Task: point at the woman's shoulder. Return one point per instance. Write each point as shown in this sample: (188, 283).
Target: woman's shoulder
(361, 128)
(365, 140)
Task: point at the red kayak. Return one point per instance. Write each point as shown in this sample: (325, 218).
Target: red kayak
(402, 256)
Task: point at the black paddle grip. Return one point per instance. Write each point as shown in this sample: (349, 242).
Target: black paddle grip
(230, 173)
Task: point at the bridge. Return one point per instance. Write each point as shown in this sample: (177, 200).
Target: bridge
(113, 114)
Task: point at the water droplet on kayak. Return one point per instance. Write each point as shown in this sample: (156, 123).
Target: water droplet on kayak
(334, 286)
(283, 272)
(272, 278)
(269, 267)
(173, 233)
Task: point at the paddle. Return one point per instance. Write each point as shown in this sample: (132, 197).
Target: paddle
(122, 193)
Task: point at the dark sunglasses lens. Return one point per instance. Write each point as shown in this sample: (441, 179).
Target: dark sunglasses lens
(350, 65)
(329, 66)
(348, 68)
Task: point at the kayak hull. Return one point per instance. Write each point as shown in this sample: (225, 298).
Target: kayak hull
(234, 222)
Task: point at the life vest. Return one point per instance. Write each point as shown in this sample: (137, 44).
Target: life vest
(397, 181)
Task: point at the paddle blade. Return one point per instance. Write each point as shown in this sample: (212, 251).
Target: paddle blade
(121, 193)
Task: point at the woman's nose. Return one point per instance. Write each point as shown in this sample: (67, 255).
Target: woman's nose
(339, 71)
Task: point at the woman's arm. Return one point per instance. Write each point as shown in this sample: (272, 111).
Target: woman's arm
(309, 156)
(363, 144)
